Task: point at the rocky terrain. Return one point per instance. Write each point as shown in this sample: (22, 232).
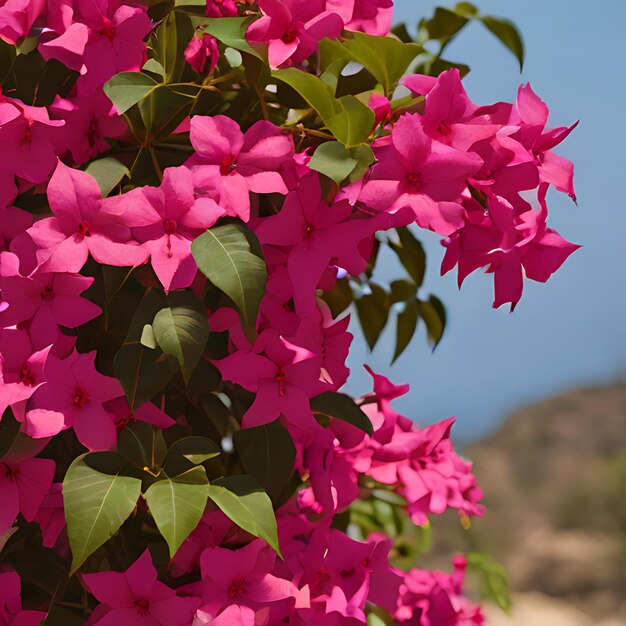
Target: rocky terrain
(554, 476)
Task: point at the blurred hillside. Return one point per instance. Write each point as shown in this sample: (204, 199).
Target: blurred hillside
(554, 477)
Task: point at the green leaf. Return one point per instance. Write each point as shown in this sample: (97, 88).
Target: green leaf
(147, 337)
(231, 31)
(233, 57)
(96, 505)
(243, 500)
(342, 407)
(406, 326)
(267, 452)
(316, 92)
(182, 330)
(143, 372)
(230, 256)
(373, 310)
(154, 67)
(165, 107)
(108, 173)
(333, 160)
(403, 291)
(508, 34)
(447, 23)
(354, 123)
(347, 118)
(177, 504)
(386, 58)
(128, 88)
(169, 43)
(411, 254)
(143, 445)
(493, 579)
(434, 315)
(195, 449)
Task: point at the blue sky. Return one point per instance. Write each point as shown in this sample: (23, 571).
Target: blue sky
(571, 331)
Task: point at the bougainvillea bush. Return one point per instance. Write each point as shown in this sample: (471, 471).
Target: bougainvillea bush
(194, 195)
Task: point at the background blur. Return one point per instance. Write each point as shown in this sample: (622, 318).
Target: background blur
(554, 472)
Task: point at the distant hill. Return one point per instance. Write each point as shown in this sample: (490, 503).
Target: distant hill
(554, 477)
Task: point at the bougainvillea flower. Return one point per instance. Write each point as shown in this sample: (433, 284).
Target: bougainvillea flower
(22, 488)
(417, 172)
(51, 515)
(27, 140)
(368, 16)
(232, 615)
(47, 301)
(229, 164)
(531, 113)
(507, 169)
(136, 598)
(174, 219)
(21, 368)
(202, 52)
(116, 41)
(292, 28)
(80, 227)
(318, 235)
(148, 412)
(11, 613)
(89, 122)
(68, 47)
(283, 375)
(449, 115)
(511, 246)
(241, 577)
(76, 389)
(221, 8)
(17, 18)
(13, 223)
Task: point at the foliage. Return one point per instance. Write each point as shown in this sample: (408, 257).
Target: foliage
(195, 202)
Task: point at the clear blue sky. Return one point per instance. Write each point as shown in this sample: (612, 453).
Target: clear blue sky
(571, 331)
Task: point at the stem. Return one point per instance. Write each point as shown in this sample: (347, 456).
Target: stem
(155, 162)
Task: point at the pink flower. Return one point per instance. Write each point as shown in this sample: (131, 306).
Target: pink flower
(11, 613)
(531, 113)
(283, 375)
(229, 164)
(23, 485)
(122, 415)
(81, 226)
(68, 47)
(243, 577)
(292, 29)
(171, 220)
(77, 390)
(17, 18)
(221, 8)
(510, 245)
(450, 116)
(90, 121)
(202, 51)
(27, 137)
(116, 40)
(417, 172)
(46, 301)
(318, 235)
(368, 16)
(381, 107)
(51, 516)
(21, 369)
(136, 598)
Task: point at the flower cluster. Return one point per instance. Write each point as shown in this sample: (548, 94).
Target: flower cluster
(73, 276)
